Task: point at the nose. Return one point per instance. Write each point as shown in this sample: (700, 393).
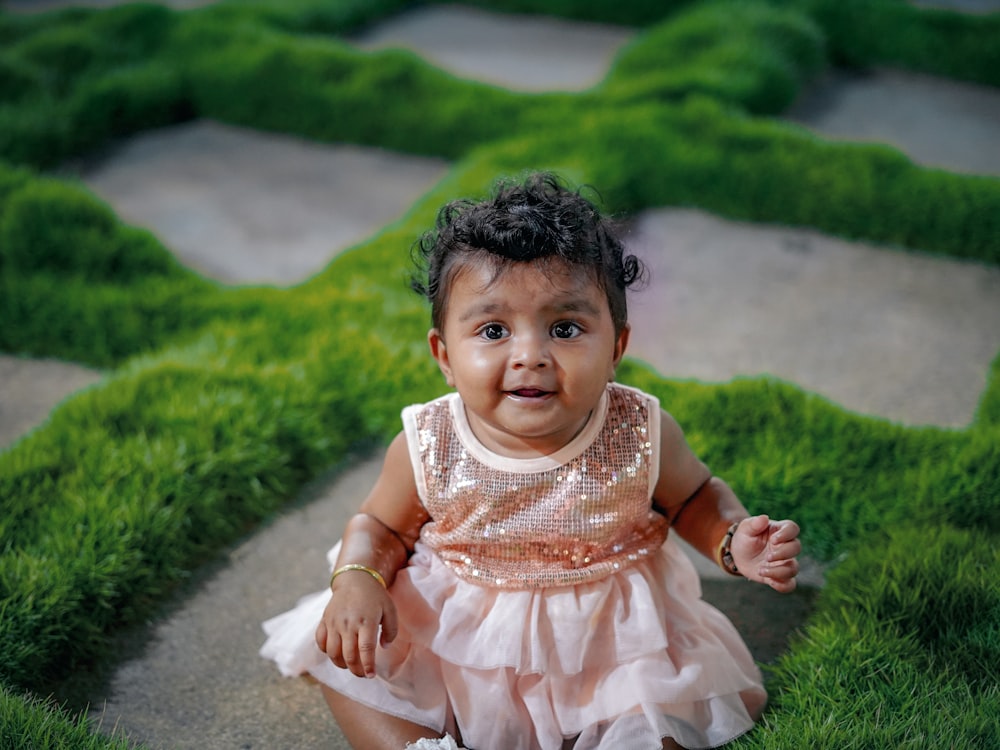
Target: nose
(531, 352)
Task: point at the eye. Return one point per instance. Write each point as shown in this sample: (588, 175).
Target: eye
(566, 329)
(492, 332)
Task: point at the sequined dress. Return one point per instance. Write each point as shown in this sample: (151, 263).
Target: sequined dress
(545, 600)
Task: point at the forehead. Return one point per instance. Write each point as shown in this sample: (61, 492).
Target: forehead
(551, 281)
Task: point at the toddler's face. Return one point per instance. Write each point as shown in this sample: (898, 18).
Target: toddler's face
(530, 353)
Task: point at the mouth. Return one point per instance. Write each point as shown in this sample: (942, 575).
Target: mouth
(529, 393)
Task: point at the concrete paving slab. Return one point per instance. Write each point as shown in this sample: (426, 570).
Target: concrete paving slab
(935, 121)
(901, 335)
(245, 207)
(31, 388)
(525, 53)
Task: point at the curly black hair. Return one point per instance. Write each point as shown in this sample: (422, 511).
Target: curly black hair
(538, 220)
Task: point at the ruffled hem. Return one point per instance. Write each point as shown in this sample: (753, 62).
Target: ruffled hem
(620, 662)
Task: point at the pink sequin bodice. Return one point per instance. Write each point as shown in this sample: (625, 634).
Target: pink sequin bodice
(576, 516)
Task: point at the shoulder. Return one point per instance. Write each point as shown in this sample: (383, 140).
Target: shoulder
(669, 429)
(393, 499)
(434, 415)
(678, 471)
(434, 403)
(629, 395)
(396, 464)
(439, 405)
(681, 471)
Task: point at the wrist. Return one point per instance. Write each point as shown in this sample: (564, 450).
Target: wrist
(356, 567)
(724, 550)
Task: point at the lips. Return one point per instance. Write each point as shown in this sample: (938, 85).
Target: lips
(529, 392)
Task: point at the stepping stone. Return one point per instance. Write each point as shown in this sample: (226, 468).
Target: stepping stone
(901, 335)
(520, 52)
(937, 122)
(31, 388)
(245, 207)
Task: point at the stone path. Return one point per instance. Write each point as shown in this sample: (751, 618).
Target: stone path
(827, 314)
(244, 207)
(935, 121)
(873, 329)
(513, 51)
(31, 388)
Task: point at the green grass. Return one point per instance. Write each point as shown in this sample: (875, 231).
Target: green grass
(219, 403)
(902, 650)
(749, 54)
(894, 32)
(29, 723)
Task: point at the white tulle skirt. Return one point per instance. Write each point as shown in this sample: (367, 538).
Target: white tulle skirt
(618, 663)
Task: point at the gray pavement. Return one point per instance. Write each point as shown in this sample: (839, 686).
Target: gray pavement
(513, 51)
(250, 208)
(31, 388)
(873, 329)
(937, 122)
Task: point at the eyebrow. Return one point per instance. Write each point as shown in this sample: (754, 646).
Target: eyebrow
(486, 309)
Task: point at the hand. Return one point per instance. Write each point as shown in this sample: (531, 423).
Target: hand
(348, 632)
(764, 551)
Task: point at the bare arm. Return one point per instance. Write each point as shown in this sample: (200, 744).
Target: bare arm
(380, 538)
(702, 507)
(389, 520)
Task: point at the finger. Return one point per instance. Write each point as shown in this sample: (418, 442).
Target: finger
(785, 551)
(785, 531)
(390, 624)
(783, 571)
(782, 568)
(783, 587)
(756, 525)
(349, 654)
(321, 636)
(334, 649)
(367, 642)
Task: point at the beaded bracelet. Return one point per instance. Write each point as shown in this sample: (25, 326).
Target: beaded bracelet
(724, 554)
(355, 566)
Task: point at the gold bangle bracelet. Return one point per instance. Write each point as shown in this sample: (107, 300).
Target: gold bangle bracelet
(355, 566)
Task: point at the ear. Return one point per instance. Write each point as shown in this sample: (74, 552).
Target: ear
(440, 353)
(621, 343)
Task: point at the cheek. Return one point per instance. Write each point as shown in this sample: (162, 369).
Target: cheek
(481, 362)
(478, 366)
